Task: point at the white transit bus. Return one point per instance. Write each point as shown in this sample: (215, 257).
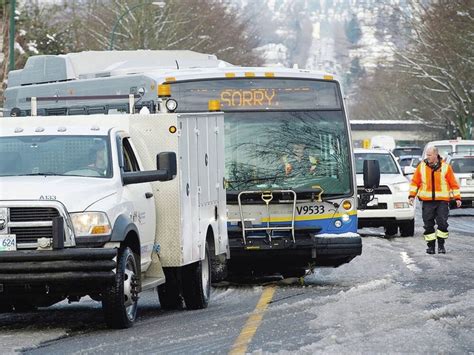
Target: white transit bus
(289, 168)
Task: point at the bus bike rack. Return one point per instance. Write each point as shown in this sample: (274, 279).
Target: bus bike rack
(267, 197)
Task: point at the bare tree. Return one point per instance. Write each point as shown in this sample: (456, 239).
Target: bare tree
(202, 25)
(440, 59)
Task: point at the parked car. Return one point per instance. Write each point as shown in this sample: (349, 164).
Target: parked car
(452, 146)
(463, 167)
(389, 208)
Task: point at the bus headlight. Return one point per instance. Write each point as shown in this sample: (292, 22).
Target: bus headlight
(401, 187)
(338, 223)
(171, 105)
(90, 223)
(345, 218)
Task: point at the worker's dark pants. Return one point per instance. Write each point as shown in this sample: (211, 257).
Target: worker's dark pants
(435, 211)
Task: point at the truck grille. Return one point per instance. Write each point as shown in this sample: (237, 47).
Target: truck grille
(31, 223)
(31, 234)
(30, 214)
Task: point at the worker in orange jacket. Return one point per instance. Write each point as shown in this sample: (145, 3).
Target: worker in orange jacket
(434, 183)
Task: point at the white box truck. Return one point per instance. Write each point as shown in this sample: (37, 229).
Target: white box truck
(109, 206)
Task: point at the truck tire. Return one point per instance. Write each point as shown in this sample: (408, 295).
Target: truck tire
(407, 228)
(169, 293)
(218, 268)
(120, 300)
(391, 230)
(197, 283)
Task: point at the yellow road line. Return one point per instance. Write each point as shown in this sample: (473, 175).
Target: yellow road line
(252, 324)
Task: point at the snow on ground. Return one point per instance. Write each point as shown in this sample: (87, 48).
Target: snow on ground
(393, 299)
(12, 343)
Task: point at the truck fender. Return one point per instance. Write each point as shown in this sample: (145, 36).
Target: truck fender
(122, 226)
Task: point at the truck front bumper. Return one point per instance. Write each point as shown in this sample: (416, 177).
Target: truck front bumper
(280, 254)
(73, 266)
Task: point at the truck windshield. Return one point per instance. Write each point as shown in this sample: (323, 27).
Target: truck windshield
(386, 163)
(465, 148)
(304, 150)
(463, 166)
(55, 155)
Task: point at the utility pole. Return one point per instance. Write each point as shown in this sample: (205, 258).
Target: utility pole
(11, 35)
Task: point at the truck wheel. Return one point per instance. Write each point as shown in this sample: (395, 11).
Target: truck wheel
(197, 283)
(407, 228)
(120, 300)
(169, 293)
(218, 267)
(391, 230)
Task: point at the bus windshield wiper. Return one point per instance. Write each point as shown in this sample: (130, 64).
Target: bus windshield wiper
(244, 181)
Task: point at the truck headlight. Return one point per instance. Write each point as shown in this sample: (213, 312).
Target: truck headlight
(401, 187)
(90, 224)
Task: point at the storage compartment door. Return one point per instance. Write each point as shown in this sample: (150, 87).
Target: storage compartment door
(185, 159)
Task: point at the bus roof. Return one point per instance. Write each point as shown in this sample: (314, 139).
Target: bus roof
(158, 64)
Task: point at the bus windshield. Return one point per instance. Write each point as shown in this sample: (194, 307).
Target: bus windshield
(87, 156)
(302, 150)
(285, 133)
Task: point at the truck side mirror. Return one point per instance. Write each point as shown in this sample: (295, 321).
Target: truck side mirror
(371, 174)
(167, 161)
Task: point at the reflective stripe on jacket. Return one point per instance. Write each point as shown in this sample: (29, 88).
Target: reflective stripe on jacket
(434, 185)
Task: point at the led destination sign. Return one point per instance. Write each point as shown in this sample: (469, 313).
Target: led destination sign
(257, 94)
(248, 98)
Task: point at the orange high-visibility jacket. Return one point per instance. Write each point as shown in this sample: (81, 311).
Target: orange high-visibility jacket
(434, 185)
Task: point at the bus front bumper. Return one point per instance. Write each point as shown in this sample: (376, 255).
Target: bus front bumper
(263, 254)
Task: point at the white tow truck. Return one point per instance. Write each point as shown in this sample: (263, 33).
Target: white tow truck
(109, 206)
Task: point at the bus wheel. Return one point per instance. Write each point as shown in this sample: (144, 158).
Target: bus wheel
(120, 300)
(5, 307)
(197, 283)
(294, 273)
(23, 307)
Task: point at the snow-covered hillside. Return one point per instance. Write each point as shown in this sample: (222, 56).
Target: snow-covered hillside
(345, 37)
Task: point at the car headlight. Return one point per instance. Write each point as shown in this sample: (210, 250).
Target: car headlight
(90, 224)
(401, 187)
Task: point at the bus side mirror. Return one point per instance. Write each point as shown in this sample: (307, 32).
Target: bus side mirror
(167, 161)
(371, 174)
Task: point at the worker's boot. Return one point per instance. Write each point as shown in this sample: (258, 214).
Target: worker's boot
(431, 247)
(441, 249)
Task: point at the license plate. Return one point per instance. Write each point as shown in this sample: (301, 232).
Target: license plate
(374, 202)
(7, 242)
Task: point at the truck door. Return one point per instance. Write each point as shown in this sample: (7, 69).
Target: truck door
(141, 205)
